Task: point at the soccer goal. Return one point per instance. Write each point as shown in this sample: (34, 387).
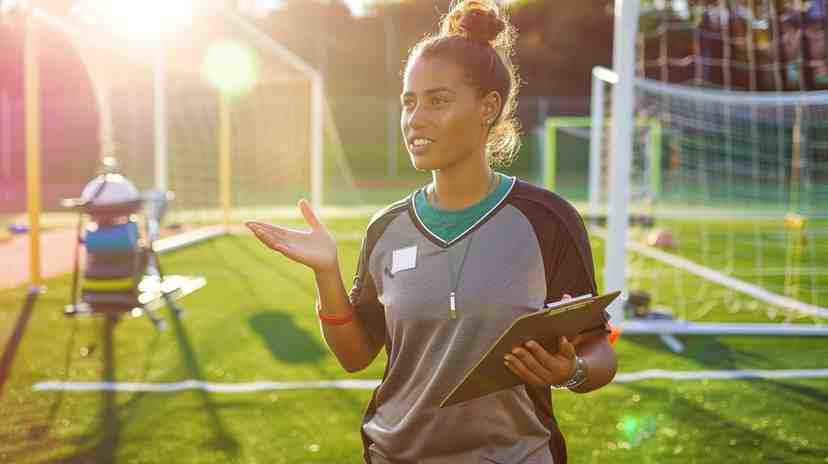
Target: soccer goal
(214, 110)
(739, 229)
(571, 136)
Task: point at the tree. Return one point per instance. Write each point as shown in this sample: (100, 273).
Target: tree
(559, 44)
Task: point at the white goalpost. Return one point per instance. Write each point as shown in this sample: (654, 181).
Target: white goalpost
(317, 118)
(741, 180)
(164, 114)
(623, 61)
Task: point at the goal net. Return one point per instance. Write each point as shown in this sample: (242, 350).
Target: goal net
(231, 122)
(577, 167)
(738, 228)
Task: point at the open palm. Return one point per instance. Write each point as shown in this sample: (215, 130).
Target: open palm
(315, 248)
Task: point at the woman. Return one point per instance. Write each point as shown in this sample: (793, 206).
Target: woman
(443, 272)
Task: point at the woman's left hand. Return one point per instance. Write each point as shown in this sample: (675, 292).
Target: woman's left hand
(537, 367)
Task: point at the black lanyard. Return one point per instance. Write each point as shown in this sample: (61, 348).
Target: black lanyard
(455, 278)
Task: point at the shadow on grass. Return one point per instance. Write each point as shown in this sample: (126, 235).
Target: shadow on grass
(221, 439)
(37, 428)
(714, 430)
(807, 397)
(708, 351)
(101, 444)
(106, 436)
(40, 431)
(286, 341)
(10, 350)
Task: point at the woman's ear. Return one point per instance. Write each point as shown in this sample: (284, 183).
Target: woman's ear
(491, 107)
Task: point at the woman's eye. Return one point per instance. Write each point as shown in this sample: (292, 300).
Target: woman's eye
(438, 100)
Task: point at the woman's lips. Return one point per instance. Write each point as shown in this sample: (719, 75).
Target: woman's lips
(420, 148)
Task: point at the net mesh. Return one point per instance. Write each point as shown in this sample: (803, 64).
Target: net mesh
(739, 187)
(755, 45)
(268, 106)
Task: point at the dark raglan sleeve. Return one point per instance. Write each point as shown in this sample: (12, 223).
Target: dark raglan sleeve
(363, 294)
(564, 244)
(573, 271)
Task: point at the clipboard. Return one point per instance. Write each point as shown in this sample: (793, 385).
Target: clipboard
(546, 326)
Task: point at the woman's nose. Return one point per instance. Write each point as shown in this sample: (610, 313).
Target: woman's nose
(414, 119)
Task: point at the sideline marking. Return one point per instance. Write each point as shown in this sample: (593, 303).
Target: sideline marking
(625, 377)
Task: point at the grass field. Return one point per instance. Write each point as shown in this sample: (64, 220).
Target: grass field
(254, 321)
(755, 251)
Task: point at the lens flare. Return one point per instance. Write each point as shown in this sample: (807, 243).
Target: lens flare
(637, 429)
(231, 67)
(630, 426)
(141, 21)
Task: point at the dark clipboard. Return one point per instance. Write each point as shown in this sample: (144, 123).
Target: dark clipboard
(565, 318)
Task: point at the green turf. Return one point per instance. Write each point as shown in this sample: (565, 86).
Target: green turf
(254, 321)
(752, 250)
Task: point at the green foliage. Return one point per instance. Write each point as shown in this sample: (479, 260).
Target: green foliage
(559, 44)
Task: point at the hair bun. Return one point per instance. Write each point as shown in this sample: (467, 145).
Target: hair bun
(478, 20)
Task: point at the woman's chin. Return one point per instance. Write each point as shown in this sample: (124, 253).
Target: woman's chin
(422, 163)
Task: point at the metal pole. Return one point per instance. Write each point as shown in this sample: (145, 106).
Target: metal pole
(225, 166)
(392, 134)
(596, 143)
(540, 136)
(5, 139)
(655, 157)
(626, 25)
(316, 143)
(391, 102)
(551, 149)
(33, 180)
(160, 116)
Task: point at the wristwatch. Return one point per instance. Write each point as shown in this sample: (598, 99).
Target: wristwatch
(578, 378)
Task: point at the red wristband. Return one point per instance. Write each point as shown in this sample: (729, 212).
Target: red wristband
(328, 320)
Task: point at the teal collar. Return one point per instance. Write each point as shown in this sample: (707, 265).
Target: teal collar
(449, 225)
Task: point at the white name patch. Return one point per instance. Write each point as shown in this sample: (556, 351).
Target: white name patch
(404, 259)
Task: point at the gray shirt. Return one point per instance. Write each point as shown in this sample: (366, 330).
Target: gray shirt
(530, 249)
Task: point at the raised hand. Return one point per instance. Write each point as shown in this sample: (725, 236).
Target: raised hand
(315, 248)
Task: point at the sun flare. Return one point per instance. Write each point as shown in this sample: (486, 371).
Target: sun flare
(138, 21)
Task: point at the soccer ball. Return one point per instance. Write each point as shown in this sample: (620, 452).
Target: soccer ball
(662, 238)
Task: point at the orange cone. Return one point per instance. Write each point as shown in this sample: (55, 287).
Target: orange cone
(615, 332)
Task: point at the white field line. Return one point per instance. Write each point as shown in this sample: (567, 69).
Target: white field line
(729, 374)
(705, 272)
(342, 237)
(206, 386)
(624, 377)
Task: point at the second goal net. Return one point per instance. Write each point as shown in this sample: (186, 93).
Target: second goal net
(738, 228)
